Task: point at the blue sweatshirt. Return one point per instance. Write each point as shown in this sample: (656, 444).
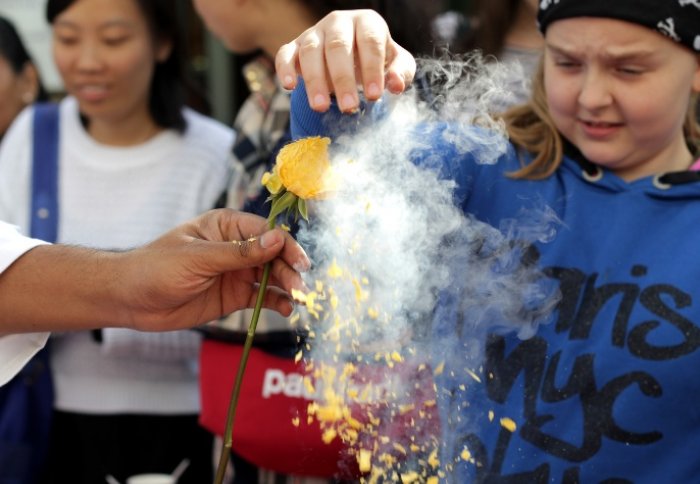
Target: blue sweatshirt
(605, 392)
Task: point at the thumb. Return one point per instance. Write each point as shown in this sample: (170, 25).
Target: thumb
(255, 251)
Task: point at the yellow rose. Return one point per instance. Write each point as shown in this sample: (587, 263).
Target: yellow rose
(304, 168)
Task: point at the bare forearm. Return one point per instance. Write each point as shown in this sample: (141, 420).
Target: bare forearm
(188, 276)
(58, 288)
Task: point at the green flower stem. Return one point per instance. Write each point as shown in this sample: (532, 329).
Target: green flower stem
(231, 416)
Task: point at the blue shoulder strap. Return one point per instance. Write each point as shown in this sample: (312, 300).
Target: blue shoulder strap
(44, 224)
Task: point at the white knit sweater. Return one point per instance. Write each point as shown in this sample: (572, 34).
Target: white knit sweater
(117, 198)
(16, 349)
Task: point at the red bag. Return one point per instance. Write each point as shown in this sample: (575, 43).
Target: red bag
(272, 398)
(271, 428)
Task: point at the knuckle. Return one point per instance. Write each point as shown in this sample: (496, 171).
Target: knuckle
(308, 44)
(334, 16)
(373, 42)
(336, 43)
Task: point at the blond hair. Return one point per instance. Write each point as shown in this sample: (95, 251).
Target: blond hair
(531, 129)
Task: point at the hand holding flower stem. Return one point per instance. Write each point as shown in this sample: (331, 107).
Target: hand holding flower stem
(301, 172)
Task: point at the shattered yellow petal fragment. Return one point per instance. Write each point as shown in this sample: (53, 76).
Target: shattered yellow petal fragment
(433, 459)
(474, 375)
(334, 271)
(396, 356)
(414, 448)
(350, 436)
(311, 408)
(410, 477)
(364, 460)
(285, 227)
(349, 369)
(298, 356)
(309, 386)
(508, 424)
(329, 413)
(319, 286)
(329, 435)
(429, 403)
(432, 480)
(334, 301)
(465, 455)
(491, 415)
(353, 423)
(404, 409)
(400, 448)
(299, 296)
(439, 369)
(384, 439)
(358, 290)
(372, 313)
(295, 421)
(387, 459)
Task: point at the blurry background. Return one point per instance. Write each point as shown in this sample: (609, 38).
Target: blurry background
(216, 72)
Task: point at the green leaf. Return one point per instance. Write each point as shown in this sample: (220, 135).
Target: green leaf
(282, 204)
(302, 209)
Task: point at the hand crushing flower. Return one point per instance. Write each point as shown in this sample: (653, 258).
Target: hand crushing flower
(302, 172)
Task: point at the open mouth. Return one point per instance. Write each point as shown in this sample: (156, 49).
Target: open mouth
(599, 128)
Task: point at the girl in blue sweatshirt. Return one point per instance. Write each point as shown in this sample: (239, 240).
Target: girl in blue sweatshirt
(606, 392)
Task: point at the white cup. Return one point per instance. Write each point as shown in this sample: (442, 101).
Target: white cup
(151, 479)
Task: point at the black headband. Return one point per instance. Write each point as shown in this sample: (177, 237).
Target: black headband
(677, 19)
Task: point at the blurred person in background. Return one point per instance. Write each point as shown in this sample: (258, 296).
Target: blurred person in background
(20, 83)
(501, 30)
(133, 161)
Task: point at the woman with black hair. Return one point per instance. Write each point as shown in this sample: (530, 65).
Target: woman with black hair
(133, 162)
(20, 83)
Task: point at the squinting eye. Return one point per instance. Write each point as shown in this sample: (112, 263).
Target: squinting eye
(66, 40)
(630, 70)
(566, 64)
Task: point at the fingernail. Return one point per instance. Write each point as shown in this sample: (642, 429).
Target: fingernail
(373, 90)
(303, 264)
(319, 100)
(347, 102)
(288, 80)
(268, 239)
